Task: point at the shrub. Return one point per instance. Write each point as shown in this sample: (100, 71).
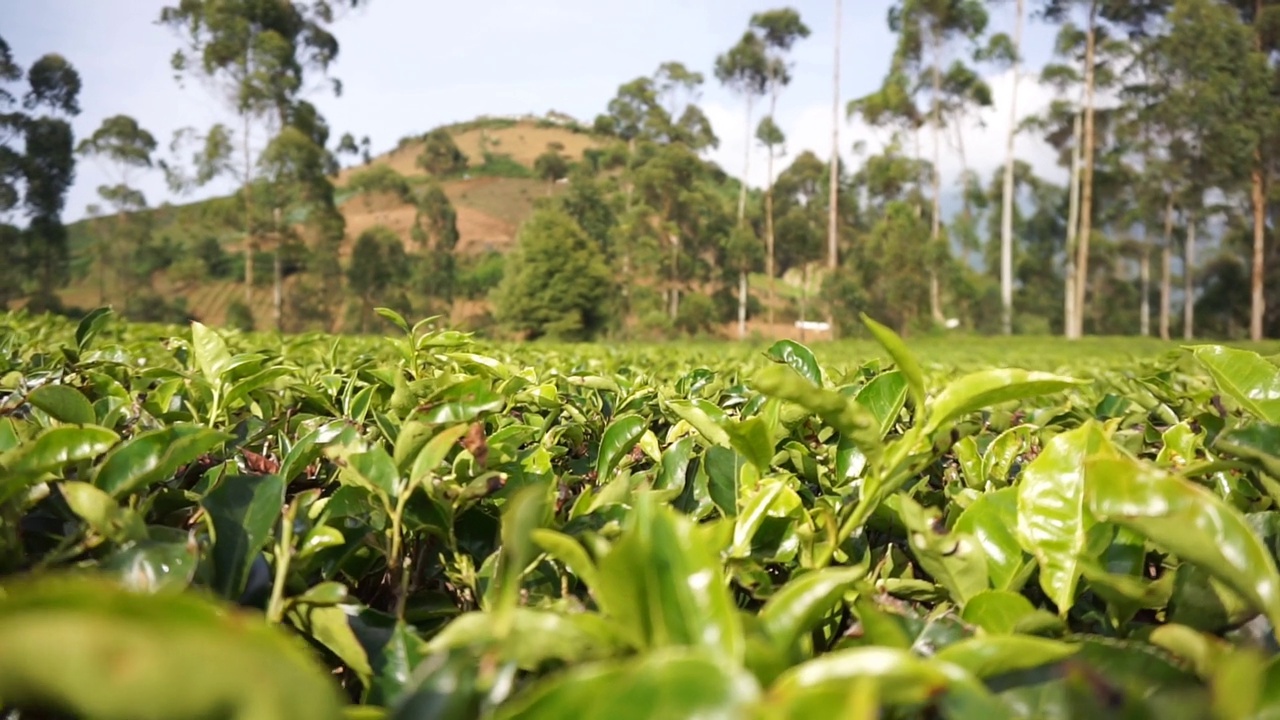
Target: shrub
(239, 316)
(555, 283)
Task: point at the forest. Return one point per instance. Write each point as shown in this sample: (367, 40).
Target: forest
(1165, 120)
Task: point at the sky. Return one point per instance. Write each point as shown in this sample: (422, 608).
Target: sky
(410, 65)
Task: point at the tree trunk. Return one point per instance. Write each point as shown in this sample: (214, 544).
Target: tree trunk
(1073, 229)
(1189, 280)
(833, 190)
(768, 238)
(1006, 204)
(248, 219)
(1257, 304)
(746, 166)
(935, 294)
(1166, 269)
(1086, 180)
(277, 279)
(768, 214)
(742, 304)
(675, 276)
(631, 153)
(804, 299)
(122, 262)
(1144, 280)
(1258, 190)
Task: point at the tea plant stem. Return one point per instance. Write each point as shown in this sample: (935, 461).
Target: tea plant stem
(395, 563)
(284, 553)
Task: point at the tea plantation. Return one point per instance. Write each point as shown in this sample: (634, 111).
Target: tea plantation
(205, 524)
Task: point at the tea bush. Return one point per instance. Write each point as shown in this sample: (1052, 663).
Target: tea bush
(198, 523)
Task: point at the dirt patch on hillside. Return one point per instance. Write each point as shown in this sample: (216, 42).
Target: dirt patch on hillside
(524, 143)
(478, 231)
(508, 199)
(398, 219)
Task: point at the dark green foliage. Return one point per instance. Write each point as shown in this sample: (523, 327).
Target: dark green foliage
(217, 262)
(479, 274)
(555, 284)
(380, 179)
(440, 155)
(240, 316)
(500, 165)
(377, 271)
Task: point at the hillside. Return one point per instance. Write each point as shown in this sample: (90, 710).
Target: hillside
(491, 202)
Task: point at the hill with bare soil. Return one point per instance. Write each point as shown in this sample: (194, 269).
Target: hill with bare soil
(491, 199)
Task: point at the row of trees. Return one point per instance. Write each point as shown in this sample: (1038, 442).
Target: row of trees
(261, 57)
(37, 168)
(1165, 116)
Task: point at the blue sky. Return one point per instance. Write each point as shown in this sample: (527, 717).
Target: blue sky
(410, 65)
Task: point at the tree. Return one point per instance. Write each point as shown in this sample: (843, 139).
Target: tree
(555, 283)
(347, 145)
(440, 154)
(378, 267)
(928, 29)
(1011, 49)
(259, 54)
(296, 167)
(744, 69)
(36, 175)
(1211, 88)
(779, 30)
(1262, 18)
(124, 147)
(435, 230)
(833, 212)
(551, 165)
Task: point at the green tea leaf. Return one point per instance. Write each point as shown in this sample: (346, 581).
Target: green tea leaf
(1189, 521)
(884, 395)
(90, 325)
(954, 560)
(155, 567)
(154, 457)
(704, 417)
(999, 654)
(568, 551)
(50, 452)
(64, 404)
(442, 687)
(536, 637)
(244, 509)
(901, 677)
(799, 357)
(985, 388)
(841, 413)
(669, 684)
(526, 512)
(1244, 376)
(433, 454)
(801, 603)
(902, 357)
(992, 521)
(997, 611)
(618, 439)
(210, 350)
(664, 586)
(68, 640)
(1054, 518)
